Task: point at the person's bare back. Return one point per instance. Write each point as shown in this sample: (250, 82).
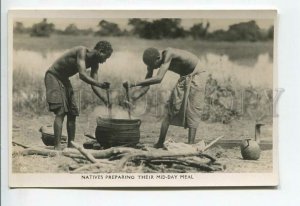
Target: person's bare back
(67, 65)
(181, 62)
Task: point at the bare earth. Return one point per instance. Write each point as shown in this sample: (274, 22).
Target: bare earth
(25, 131)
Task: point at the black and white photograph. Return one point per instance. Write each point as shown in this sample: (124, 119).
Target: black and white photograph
(143, 98)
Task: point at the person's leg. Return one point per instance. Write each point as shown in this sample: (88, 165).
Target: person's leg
(163, 132)
(192, 135)
(58, 125)
(71, 128)
(191, 139)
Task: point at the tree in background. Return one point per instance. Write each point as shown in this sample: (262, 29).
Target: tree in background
(157, 29)
(247, 31)
(108, 29)
(42, 29)
(19, 27)
(271, 32)
(199, 31)
(138, 26)
(86, 31)
(71, 29)
(164, 28)
(244, 31)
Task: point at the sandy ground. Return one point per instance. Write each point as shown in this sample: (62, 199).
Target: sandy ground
(25, 131)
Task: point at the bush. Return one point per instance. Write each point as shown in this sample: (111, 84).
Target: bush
(108, 29)
(42, 29)
(198, 31)
(245, 31)
(71, 30)
(158, 29)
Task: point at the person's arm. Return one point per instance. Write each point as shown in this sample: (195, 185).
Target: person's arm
(160, 74)
(96, 90)
(154, 80)
(143, 90)
(82, 70)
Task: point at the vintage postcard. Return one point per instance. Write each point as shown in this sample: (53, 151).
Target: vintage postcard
(143, 98)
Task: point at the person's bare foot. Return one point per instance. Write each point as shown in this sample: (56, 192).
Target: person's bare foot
(58, 147)
(71, 146)
(159, 145)
(200, 146)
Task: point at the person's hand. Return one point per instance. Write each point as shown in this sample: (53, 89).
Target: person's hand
(109, 105)
(128, 104)
(104, 85)
(126, 84)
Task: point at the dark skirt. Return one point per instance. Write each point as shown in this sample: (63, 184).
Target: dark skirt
(60, 96)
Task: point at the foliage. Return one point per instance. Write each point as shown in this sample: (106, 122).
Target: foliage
(199, 31)
(245, 31)
(108, 29)
(271, 32)
(157, 29)
(19, 27)
(42, 29)
(138, 26)
(71, 29)
(164, 28)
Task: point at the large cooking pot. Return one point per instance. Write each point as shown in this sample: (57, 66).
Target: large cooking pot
(117, 132)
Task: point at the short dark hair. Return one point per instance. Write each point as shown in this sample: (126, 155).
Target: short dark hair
(150, 56)
(104, 46)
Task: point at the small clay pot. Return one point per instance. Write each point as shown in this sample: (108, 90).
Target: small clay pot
(49, 139)
(250, 149)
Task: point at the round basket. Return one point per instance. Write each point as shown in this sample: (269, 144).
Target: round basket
(117, 132)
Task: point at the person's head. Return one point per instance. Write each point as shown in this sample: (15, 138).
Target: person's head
(104, 51)
(152, 58)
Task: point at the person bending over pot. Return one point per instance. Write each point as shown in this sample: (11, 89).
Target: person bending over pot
(59, 91)
(186, 100)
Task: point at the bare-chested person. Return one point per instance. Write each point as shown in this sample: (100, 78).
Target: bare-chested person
(185, 103)
(59, 91)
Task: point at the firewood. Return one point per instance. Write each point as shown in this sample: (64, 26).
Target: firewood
(40, 151)
(94, 166)
(19, 144)
(201, 166)
(89, 156)
(90, 136)
(102, 154)
(151, 156)
(212, 143)
(74, 155)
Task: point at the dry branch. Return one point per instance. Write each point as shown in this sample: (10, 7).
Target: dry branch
(19, 144)
(102, 154)
(212, 143)
(40, 151)
(89, 156)
(90, 136)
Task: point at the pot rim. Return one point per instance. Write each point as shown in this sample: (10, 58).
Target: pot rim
(116, 121)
